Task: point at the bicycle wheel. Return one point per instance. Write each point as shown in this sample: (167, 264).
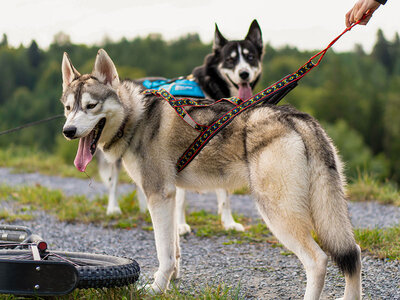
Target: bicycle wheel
(94, 270)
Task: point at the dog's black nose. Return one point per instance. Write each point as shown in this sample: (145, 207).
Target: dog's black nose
(69, 132)
(244, 75)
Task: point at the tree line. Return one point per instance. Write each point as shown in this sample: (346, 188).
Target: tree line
(355, 95)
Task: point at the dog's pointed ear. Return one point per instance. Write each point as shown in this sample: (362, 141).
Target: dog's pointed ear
(254, 35)
(104, 69)
(69, 73)
(219, 40)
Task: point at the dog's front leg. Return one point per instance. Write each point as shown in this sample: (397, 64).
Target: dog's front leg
(163, 215)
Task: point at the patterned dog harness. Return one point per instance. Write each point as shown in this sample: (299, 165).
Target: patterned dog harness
(271, 95)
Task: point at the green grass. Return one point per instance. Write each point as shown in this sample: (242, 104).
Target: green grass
(367, 188)
(383, 243)
(132, 292)
(24, 160)
(12, 217)
(75, 208)
(205, 224)
(54, 201)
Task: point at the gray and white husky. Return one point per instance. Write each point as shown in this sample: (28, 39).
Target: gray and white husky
(284, 156)
(232, 69)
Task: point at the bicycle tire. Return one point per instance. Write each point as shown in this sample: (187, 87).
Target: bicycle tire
(94, 270)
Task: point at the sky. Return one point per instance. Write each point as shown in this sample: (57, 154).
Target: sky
(307, 24)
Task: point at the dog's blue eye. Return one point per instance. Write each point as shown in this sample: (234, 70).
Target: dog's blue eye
(91, 106)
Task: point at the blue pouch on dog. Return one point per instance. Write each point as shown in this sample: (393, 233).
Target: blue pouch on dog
(179, 87)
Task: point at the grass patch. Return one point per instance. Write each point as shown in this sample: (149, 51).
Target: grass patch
(8, 216)
(132, 292)
(24, 160)
(55, 202)
(76, 208)
(242, 191)
(205, 224)
(383, 243)
(367, 188)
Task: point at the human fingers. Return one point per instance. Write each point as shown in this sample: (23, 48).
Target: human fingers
(366, 20)
(350, 16)
(359, 13)
(347, 18)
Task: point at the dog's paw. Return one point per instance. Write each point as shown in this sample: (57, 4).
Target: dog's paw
(154, 289)
(183, 229)
(150, 289)
(114, 210)
(234, 226)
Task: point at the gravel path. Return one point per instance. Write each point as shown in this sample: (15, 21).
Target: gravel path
(261, 270)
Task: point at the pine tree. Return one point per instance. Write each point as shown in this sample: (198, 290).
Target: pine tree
(4, 41)
(34, 54)
(381, 52)
(395, 53)
(359, 50)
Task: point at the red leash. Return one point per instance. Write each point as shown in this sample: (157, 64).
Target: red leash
(323, 52)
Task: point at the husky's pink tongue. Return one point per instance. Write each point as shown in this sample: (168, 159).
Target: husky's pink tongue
(83, 155)
(245, 91)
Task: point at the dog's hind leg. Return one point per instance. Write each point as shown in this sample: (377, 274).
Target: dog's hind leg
(332, 222)
(162, 210)
(297, 237)
(280, 184)
(224, 210)
(183, 227)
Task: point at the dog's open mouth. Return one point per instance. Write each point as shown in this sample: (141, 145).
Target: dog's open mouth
(88, 145)
(244, 89)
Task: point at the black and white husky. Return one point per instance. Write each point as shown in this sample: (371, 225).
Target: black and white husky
(283, 155)
(232, 69)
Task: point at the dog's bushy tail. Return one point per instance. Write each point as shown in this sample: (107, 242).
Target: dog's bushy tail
(329, 206)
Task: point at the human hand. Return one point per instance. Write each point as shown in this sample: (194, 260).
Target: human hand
(359, 10)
